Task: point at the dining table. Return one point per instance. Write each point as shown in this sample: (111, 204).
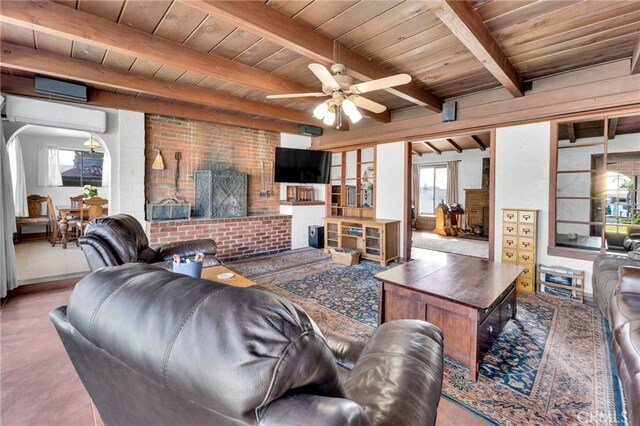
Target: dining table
(71, 211)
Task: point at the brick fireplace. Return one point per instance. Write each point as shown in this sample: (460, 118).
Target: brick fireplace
(476, 206)
(210, 146)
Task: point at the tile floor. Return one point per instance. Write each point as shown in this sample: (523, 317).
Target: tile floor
(38, 385)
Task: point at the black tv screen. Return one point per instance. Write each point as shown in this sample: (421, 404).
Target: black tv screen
(302, 166)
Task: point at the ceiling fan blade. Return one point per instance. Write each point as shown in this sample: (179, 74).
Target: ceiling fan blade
(297, 95)
(381, 83)
(368, 104)
(324, 76)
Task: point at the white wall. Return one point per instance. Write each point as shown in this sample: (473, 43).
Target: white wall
(301, 216)
(390, 196)
(522, 182)
(124, 141)
(469, 167)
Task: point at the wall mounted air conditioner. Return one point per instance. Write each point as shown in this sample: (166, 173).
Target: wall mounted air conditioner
(52, 114)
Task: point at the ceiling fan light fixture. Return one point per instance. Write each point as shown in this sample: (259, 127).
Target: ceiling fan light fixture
(355, 116)
(349, 107)
(321, 110)
(330, 118)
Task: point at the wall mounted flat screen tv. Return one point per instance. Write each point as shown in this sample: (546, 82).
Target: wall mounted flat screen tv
(302, 166)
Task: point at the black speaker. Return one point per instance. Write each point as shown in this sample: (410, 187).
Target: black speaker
(310, 130)
(316, 236)
(449, 111)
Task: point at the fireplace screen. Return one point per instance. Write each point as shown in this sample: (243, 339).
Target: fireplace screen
(220, 194)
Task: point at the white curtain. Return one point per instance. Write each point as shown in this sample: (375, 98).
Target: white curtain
(48, 167)
(452, 182)
(106, 170)
(17, 177)
(8, 273)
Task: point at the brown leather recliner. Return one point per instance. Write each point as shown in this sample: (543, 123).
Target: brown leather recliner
(119, 239)
(153, 347)
(625, 339)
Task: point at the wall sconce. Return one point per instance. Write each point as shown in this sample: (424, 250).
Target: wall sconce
(158, 163)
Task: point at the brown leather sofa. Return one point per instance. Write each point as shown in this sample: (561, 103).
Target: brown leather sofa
(158, 348)
(625, 327)
(119, 239)
(605, 279)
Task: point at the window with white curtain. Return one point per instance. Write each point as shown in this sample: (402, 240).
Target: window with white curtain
(48, 167)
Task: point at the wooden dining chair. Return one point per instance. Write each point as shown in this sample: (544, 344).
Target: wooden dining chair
(35, 218)
(54, 223)
(90, 209)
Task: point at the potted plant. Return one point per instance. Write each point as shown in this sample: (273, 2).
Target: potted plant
(89, 191)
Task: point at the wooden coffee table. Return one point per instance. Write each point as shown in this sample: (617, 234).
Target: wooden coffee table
(237, 280)
(468, 298)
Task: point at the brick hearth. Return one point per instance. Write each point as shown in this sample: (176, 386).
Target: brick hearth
(236, 237)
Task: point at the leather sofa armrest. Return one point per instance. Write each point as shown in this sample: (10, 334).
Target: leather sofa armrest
(97, 252)
(190, 248)
(629, 279)
(303, 409)
(345, 349)
(398, 377)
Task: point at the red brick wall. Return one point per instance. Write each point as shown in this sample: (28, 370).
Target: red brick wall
(203, 145)
(236, 237)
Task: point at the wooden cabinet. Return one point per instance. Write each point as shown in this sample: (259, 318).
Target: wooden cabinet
(351, 192)
(519, 244)
(377, 239)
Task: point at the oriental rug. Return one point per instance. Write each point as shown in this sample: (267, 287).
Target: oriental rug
(551, 365)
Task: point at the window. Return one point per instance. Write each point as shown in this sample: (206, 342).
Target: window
(596, 180)
(80, 168)
(433, 188)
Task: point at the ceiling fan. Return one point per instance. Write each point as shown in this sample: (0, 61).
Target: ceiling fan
(345, 96)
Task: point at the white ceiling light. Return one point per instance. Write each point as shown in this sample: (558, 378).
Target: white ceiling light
(330, 117)
(321, 110)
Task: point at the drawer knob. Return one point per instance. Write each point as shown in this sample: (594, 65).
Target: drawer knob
(510, 216)
(526, 230)
(526, 243)
(509, 228)
(526, 216)
(490, 329)
(525, 257)
(525, 284)
(508, 305)
(526, 271)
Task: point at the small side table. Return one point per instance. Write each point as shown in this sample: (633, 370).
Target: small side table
(237, 280)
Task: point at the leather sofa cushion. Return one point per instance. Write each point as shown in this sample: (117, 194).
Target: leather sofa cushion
(625, 307)
(629, 279)
(252, 346)
(123, 233)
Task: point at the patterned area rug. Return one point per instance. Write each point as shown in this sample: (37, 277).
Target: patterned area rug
(551, 365)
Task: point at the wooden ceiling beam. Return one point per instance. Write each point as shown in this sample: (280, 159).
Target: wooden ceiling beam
(635, 59)
(478, 142)
(431, 147)
(571, 130)
(265, 21)
(414, 152)
(39, 61)
(63, 21)
(609, 96)
(613, 125)
(24, 86)
(467, 26)
(454, 145)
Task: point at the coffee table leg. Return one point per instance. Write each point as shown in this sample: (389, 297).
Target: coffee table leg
(64, 226)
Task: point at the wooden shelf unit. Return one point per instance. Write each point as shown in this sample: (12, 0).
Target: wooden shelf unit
(376, 239)
(575, 277)
(352, 185)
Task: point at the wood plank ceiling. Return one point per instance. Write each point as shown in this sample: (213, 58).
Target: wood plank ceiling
(537, 38)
